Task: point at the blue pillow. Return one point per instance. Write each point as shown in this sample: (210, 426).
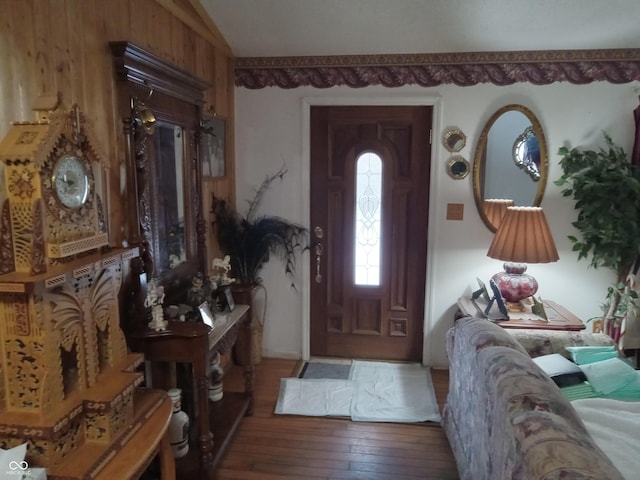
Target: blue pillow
(590, 354)
(609, 375)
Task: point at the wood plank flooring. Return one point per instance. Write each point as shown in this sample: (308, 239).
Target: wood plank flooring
(277, 447)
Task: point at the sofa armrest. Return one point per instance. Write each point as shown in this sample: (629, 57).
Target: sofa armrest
(545, 342)
(536, 434)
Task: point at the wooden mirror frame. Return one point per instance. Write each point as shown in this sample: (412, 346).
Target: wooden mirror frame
(174, 97)
(479, 163)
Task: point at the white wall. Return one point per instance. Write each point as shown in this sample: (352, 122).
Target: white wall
(272, 129)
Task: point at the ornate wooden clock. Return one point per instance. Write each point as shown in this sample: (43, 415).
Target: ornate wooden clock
(52, 211)
(68, 383)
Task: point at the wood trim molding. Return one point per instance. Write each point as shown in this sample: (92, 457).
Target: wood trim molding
(539, 67)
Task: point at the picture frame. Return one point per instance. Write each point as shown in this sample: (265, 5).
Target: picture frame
(205, 313)
(230, 303)
(213, 147)
(497, 296)
(482, 291)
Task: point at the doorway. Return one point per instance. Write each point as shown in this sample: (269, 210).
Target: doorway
(369, 204)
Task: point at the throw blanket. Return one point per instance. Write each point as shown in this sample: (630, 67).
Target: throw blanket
(614, 425)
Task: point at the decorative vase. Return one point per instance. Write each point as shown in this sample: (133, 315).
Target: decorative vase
(250, 295)
(215, 379)
(178, 425)
(514, 284)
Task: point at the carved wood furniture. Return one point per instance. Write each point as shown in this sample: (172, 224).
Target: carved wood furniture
(68, 383)
(559, 318)
(163, 171)
(215, 422)
(145, 442)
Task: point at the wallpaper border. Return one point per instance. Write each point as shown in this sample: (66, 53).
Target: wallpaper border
(540, 67)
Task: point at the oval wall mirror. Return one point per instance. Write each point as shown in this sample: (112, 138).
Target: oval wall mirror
(510, 165)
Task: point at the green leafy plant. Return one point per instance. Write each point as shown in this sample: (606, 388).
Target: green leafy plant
(251, 240)
(606, 189)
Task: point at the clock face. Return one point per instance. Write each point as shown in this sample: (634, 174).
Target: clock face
(71, 181)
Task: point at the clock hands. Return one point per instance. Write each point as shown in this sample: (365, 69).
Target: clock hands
(70, 182)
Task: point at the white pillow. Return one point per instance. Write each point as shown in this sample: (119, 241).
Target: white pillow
(561, 370)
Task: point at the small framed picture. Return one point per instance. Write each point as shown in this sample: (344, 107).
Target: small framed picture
(205, 313)
(212, 147)
(497, 296)
(482, 291)
(229, 299)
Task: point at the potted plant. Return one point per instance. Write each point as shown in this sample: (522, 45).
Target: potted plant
(250, 241)
(606, 189)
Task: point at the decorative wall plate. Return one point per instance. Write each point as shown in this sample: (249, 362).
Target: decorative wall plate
(454, 140)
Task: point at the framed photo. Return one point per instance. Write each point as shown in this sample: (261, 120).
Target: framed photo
(212, 147)
(205, 313)
(482, 291)
(229, 299)
(497, 296)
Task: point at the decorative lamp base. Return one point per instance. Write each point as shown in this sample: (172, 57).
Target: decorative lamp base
(514, 284)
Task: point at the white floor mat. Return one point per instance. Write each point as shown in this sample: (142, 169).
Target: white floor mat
(375, 392)
(315, 397)
(393, 392)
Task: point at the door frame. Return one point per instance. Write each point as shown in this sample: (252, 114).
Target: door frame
(436, 165)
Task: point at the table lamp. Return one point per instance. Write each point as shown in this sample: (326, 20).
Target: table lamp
(495, 208)
(522, 237)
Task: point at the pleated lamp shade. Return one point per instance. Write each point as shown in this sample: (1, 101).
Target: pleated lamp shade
(522, 237)
(495, 208)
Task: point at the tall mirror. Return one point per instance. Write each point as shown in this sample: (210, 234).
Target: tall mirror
(510, 165)
(161, 109)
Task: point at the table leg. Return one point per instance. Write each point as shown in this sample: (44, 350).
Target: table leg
(167, 462)
(249, 382)
(202, 395)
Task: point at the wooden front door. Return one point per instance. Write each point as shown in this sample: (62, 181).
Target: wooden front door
(369, 219)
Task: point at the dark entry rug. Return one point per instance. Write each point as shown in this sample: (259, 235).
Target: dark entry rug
(316, 370)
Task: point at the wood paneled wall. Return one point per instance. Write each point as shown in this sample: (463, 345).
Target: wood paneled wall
(60, 47)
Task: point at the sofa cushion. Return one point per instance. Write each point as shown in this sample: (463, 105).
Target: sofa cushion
(544, 342)
(562, 371)
(609, 375)
(590, 353)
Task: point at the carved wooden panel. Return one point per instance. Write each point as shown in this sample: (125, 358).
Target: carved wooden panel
(334, 254)
(367, 316)
(69, 377)
(399, 261)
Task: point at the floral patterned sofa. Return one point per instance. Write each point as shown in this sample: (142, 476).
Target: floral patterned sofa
(505, 419)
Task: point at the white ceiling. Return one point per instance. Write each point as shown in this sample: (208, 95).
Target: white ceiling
(257, 28)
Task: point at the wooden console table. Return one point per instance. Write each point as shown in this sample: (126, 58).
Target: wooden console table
(559, 318)
(195, 343)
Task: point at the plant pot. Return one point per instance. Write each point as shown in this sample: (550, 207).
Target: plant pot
(249, 350)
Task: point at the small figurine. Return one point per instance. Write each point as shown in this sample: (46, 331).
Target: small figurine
(197, 293)
(155, 297)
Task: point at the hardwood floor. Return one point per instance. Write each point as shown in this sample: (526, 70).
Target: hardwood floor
(274, 447)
